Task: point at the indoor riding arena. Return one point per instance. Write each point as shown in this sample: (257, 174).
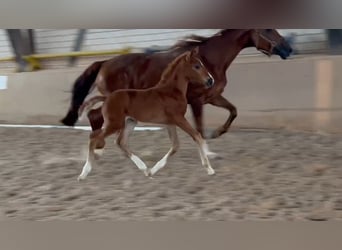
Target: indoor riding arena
(281, 159)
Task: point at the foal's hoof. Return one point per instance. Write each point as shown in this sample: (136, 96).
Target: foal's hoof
(211, 171)
(147, 173)
(81, 178)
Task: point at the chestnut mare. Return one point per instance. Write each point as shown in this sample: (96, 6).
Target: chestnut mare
(142, 70)
(164, 103)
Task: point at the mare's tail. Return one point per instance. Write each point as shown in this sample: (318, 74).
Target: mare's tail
(80, 91)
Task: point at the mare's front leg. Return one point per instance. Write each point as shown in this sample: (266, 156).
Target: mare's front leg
(197, 112)
(220, 101)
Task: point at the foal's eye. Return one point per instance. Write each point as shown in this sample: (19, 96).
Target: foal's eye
(197, 66)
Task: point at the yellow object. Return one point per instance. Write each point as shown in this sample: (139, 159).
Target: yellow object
(33, 60)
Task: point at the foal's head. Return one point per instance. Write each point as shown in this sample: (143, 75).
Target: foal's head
(194, 70)
(269, 41)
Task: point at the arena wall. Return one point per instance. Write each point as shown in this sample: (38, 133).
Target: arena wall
(299, 93)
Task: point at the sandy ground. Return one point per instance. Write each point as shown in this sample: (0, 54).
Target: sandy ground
(262, 175)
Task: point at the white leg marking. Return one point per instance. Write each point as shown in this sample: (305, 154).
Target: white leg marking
(140, 164)
(203, 152)
(99, 151)
(172, 131)
(127, 130)
(160, 164)
(85, 171)
(210, 154)
(202, 158)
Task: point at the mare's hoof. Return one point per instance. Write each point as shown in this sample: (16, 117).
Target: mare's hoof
(213, 156)
(213, 134)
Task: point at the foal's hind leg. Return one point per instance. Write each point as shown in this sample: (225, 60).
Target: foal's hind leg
(172, 131)
(96, 137)
(122, 143)
(96, 121)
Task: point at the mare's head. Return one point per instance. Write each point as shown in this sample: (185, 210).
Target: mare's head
(270, 42)
(194, 70)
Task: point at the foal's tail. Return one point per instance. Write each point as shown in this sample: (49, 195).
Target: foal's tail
(87, 106)
(80, 91)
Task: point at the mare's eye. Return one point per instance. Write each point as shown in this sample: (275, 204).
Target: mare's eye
(197, 66)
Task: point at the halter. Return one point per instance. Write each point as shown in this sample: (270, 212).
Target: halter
(273, 43)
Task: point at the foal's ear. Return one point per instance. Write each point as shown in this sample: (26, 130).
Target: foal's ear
(188, 56)
(194, 52)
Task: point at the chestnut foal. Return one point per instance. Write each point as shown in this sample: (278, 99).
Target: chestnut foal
(164, 104)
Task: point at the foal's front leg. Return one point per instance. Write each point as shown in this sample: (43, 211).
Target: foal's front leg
(203, 148)
(172, 131)
(197, 112)
(122, 143)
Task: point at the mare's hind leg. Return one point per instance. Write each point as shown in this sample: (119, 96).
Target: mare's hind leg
(122, 143)
(96, 137)
(172, 131)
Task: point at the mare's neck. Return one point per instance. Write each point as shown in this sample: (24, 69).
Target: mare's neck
(220, 51)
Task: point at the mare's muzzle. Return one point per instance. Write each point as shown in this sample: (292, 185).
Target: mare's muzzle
(283, 51)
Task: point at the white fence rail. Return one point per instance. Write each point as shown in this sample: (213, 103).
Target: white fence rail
(59, 41)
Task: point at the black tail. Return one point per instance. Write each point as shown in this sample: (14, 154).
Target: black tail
(80, 91)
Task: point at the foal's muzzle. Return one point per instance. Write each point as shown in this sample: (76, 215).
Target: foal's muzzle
(210, 82)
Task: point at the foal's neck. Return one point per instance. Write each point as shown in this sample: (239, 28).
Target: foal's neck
(176, 79)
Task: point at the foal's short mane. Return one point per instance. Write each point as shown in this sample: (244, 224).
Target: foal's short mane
(195, 40)
(171, 67)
